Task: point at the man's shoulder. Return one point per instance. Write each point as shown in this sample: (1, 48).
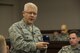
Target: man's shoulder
(14, 25)
(17, 23)
(66, 47)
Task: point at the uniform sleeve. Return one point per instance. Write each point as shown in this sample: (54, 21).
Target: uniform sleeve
(18, 40)
(65, 49)
(40, 38)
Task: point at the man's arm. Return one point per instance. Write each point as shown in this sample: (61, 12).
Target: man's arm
(19, 42)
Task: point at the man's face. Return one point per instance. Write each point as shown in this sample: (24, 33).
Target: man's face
(73, 39)
(64, 29)
(30, 14)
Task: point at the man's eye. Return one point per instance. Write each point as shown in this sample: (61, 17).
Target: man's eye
(73, 38)
(69, 38)
(31, 13)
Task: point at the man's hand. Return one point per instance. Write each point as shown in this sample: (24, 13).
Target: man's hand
(42, 45)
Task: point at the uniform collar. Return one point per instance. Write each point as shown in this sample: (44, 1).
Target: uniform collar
(76, 47)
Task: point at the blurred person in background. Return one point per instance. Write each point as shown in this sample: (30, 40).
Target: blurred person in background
(8, 45)
(64, 35)
(3, 48)
(56, 36)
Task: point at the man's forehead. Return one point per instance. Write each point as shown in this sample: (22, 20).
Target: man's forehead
(73, 35)
(30, 6)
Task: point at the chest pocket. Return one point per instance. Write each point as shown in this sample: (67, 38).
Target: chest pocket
(38, 36)
(27, 35)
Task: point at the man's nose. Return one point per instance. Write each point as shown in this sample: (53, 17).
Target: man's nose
(32, 14)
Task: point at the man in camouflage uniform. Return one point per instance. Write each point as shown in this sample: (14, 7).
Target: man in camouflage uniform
(74, 46)
(56, 36)
(24, 35)
(64, 36)
(61, 37)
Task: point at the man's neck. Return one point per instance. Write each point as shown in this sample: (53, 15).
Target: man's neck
(27, 22)
(75, 46)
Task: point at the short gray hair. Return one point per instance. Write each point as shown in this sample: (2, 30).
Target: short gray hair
(29, 4)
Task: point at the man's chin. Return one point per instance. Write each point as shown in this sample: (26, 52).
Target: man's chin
(73, 44)
(30, 22)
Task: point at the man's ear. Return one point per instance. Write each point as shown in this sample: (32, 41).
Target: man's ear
(78, 38)
(22, 11)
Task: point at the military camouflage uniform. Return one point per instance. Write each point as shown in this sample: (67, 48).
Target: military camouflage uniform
(56, 38)
(70, 49)
(23, 40)
(64, 37)
(61, 37)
